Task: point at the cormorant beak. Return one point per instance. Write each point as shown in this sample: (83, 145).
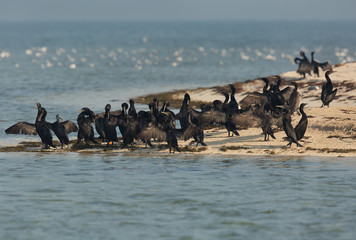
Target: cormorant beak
(38, 105)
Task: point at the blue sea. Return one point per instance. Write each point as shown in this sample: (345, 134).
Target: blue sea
(69, 65)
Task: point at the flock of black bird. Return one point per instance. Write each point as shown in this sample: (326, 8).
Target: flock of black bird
(306, 67)
(271, 110)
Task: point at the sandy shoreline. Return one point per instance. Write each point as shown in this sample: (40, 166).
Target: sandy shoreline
(331, 131)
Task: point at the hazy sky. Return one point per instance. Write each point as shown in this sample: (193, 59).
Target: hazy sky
(177, 10)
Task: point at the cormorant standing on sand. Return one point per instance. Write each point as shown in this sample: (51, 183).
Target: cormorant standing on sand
(232, 105)
(303, 123)
(288, 129)
(315, 65)
(225, 103)
(294, 99)
(267, 126)
(325, 66)
(183, 113)
(42, 129)
(304, 65)
(86, 130)
(327, 92)
(256, 98)
(276, 97)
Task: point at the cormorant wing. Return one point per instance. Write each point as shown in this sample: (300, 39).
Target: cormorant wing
(152, 132)
(331, 96)
(296, 60)
(22, 128)
(204, 117)
(252, 98)
(69, 126)
(50, 125)
(301, 128)
(219, 117)
(325, 66)
(194, 113)
(286, 92)
(113, 113)
(245, 120)
(190, 132)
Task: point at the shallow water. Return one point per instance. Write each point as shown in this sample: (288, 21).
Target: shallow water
(103, 196)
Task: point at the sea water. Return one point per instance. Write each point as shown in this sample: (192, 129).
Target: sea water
(115, 196)
(69, 65)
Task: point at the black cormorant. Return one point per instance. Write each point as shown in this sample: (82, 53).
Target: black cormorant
(232, 105)
(62, 128)
(172, 140)
(288, 129)
(191, 131)
(155, 106)
(325, 66)
(256, 98)
(303, 123)
(276, 97)
(267, 126)
(304, 65)
(42, 128)
(315, 65)
(226, 102)
(243, 119)
(294, 99)
(129, 127)
(327, 92)
(99, 122)
(214, 115)
(85, 119)
(110, 124)
(132, 110)
(183, 112)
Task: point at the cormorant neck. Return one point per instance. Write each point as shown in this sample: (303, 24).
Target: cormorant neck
(327, 77)
(301, 110)
(41, 114)
(226, 98)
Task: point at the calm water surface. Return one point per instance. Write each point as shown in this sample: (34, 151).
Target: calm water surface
(103, 196)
